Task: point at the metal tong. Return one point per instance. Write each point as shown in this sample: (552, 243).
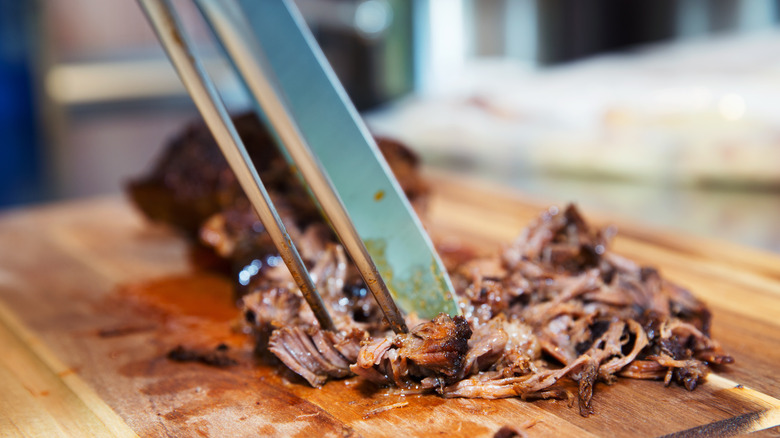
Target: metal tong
(224, 17)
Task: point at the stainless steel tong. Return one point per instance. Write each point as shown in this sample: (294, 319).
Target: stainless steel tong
(321, 135)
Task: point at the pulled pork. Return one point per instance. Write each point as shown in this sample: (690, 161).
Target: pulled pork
(556, 304)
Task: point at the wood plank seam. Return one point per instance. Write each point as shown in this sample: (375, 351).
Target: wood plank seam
(112, 421)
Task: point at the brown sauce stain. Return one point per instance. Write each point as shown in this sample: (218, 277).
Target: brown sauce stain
(200, 295)
(355, 401)
(174, 415)
(190, 383)
(240, 396)
(266, 430)
(249, 391)
(315, 429)
(145, 367)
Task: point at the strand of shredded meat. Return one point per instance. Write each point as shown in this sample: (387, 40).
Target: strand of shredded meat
(556, 304)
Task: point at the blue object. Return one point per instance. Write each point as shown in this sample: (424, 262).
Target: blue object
(20, 168)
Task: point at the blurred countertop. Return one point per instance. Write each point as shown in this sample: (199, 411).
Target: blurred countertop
(683, 136)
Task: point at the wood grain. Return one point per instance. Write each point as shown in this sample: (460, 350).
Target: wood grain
(42, 397)
(76, 324)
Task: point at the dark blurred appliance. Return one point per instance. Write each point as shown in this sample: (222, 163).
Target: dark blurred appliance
(369, 43)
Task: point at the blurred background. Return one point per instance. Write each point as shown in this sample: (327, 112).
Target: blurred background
(663, 112)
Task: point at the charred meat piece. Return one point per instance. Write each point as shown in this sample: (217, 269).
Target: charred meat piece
(434, 349)
(439, 345)
(216, 357)
(192, 180)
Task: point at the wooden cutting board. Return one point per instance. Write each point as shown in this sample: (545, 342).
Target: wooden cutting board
(92, 298)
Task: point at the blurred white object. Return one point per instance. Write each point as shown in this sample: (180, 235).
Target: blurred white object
(440, 44)
(697, 111)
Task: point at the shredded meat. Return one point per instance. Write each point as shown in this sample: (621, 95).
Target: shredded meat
(560, 305)
(556, 304)
(316, 354)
